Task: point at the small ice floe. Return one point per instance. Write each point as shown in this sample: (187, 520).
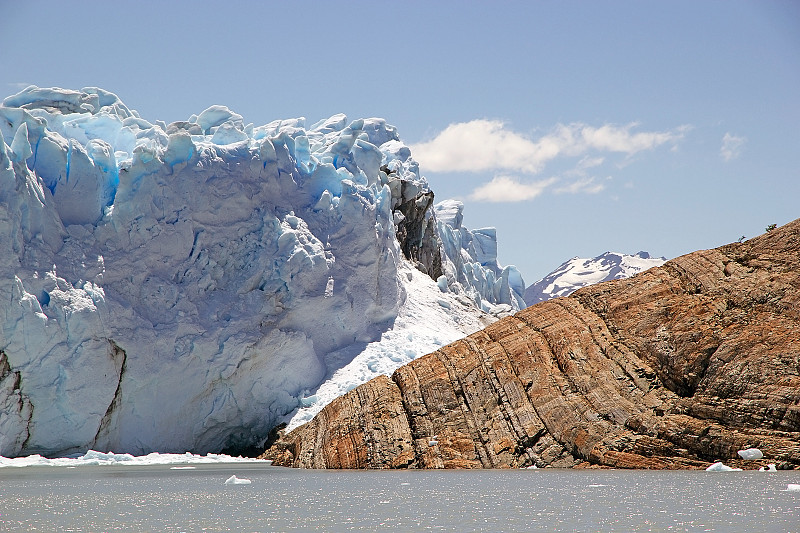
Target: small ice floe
(532, 467)
(719, 467)
(182, 467)
(793, 487)
(769, 468)
(751, 454)
(233, 480)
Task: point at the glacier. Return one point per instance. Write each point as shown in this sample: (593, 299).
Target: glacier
(186, 287)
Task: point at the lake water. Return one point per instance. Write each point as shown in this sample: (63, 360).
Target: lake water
(166, 498)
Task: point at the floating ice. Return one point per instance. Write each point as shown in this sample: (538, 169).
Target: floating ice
(793, 487)
(769, 468)
(94, 458)
(751, 454)
(719, 467)
(233, 480)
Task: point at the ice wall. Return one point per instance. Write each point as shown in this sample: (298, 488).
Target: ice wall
(177, 287)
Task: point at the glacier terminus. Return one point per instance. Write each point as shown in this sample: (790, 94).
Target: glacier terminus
(188, 286)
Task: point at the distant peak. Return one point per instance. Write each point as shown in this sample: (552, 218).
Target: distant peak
(581, 272)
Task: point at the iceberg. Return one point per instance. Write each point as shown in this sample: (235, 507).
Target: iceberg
(188, 286)
(233, 480)
(751, 454)
(720, 467)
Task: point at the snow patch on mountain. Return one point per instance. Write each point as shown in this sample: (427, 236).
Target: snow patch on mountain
(185, 286)
(580, 272)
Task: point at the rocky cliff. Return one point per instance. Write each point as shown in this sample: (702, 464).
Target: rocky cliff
(678, 367)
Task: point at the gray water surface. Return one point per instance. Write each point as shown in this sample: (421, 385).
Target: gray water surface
(160, 498)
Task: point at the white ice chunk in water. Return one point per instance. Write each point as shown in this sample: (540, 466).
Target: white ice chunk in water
(769, 468)
(751, 454)
(793, 487)
(719, 467)
(233, 480)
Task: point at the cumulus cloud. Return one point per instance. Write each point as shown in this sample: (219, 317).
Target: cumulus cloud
(731, 146)
(509, 189)
(481, 145)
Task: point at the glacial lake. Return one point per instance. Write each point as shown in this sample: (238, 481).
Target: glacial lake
(195, 497)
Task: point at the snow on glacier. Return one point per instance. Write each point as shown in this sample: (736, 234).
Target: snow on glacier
(187, 286)
(422, 325)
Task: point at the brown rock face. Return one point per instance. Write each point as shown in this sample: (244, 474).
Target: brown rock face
(677, 367)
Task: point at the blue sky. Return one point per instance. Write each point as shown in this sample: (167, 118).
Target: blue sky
(572, 127)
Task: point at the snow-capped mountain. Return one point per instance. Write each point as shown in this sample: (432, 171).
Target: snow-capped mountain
(186, 286)
(579, 272)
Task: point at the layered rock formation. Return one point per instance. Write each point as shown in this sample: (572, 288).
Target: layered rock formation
(678, 367)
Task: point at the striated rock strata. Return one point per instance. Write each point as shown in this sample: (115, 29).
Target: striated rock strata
(677, 367)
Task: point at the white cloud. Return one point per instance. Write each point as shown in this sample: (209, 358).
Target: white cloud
(731, 146)
(589, 162)
(509, 189)
(613, 138)
(583, 185)
(481, 145)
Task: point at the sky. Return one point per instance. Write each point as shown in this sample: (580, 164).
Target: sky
(574, 128)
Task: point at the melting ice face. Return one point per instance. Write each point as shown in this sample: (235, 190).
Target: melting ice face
(183, 286)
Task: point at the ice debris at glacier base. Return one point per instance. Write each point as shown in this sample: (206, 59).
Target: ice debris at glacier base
(95, 458)
(184, 286)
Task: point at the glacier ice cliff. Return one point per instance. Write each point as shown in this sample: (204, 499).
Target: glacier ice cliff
(181, 287)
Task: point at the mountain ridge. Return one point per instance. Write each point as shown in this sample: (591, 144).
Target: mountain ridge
(579, 272)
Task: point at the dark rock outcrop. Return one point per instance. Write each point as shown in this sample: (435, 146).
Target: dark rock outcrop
(678, 367)
(416, 224)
